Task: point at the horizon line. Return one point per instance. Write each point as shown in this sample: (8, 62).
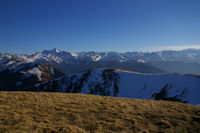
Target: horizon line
(139, 51)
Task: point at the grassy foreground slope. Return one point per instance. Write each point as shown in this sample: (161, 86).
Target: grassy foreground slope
(61, 112)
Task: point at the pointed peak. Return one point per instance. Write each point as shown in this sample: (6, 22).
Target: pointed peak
(55, 50)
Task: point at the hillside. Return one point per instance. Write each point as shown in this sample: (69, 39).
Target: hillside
(75, 113)
(123, 83)
(17, 75)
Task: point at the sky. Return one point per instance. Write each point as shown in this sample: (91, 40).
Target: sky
(98, 25)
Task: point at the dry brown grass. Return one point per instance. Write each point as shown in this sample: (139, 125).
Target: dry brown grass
(59, 112)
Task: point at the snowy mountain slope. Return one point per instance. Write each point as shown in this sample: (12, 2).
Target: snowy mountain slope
(122, 83)
(16, 75)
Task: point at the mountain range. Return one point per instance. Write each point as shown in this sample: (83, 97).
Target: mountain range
(185, 61)
(164, 75)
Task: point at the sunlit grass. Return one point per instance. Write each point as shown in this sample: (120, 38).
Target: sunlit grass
(61, 112)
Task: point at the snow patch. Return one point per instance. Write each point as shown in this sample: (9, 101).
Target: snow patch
(73, 54)
(96, 57)
(141, 61)
(35, 71)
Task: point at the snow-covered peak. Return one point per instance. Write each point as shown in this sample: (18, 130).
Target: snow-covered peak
(56, 55)
(55, 50)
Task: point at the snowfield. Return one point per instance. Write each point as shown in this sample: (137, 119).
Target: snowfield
(136, 85)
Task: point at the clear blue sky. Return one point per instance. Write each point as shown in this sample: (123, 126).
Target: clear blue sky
(98, 25)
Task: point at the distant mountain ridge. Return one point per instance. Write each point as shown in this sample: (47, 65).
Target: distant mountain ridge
(187, 55)
(138, 61)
